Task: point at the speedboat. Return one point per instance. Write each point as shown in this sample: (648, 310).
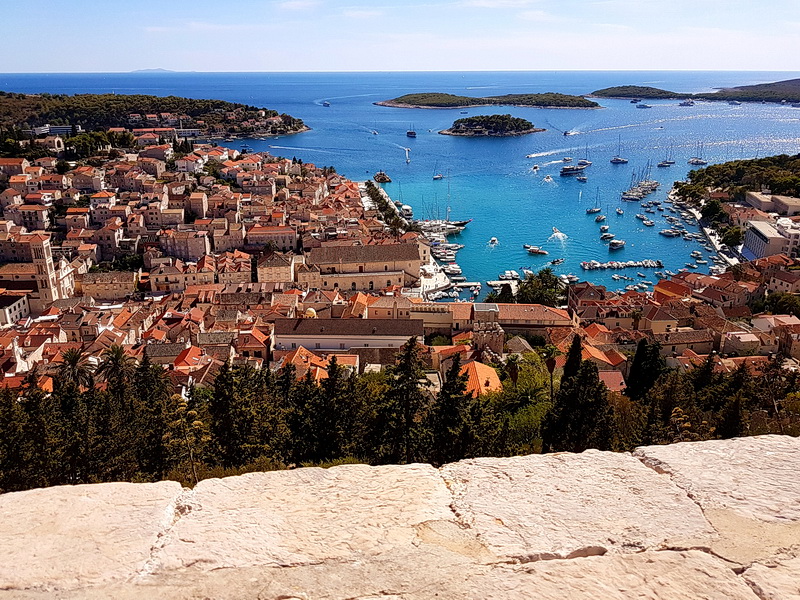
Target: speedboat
(582, 178)
(620, 211)
(438, 176)
(548, 179)
(567, 159)
(493, 241)
(536, 250)
(599, 218)
(618, 160)
(556, 261)
(616, 244)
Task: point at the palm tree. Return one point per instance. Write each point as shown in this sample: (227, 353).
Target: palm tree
(549, 353)
(117, 368)
(75, 369)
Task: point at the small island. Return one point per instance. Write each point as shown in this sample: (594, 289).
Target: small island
(441, 100)
(779, 91)
(490, 126)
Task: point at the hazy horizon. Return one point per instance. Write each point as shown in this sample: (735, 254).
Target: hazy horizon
(419, 36)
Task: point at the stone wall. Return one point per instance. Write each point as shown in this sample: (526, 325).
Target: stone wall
(706, 520)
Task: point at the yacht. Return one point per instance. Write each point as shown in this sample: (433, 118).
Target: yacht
(593, 210)
(616, 244)
(584, 162)
(618, 160)
(607, 236)
(438, 176)
(697, 161)
(411, 133)
(643, 105)
(556, 261)
(536, 250)
(599, 218)
(571, 170)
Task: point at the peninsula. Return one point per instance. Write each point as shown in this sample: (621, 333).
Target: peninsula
(779, 91)
(490, 126)
(442, 100)
(192, 117)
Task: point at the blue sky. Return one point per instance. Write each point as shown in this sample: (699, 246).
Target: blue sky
(411, 35)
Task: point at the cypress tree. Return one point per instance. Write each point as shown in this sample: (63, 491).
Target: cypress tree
(405, 402)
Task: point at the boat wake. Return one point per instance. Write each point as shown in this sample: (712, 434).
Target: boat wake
(558, 236)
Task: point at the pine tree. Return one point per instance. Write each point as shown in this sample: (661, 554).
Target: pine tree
(406, 402)
(12, 442)
(574, 359)
(647, 366)
(448, 418)
(579, 418)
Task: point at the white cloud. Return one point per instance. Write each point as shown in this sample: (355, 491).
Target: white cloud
(297, 4)
(499, 3)
(539, 16)
(357, 13)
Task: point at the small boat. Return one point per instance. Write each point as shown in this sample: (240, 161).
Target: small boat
(735, 103)
(599, 218)
(493, 241)
(618, 160)
(411, 133)
(463, 112)
(620, 211)
(438, 176)
(697, 161)
(530, 156)
(585, 162)
(686, 103)
(663, 164)
(567, 159)
(548, 179)
(381, 177)
(616, 244)
(555, 231)
(593, 210)
(556, 261)
(536, 250)
(691, 265)
(604, 228)
(582, 178)
(643, 105)
(535, 167)
(607, 236)
(326, 103)
(640, 274)
(648, 223)
(635, 100)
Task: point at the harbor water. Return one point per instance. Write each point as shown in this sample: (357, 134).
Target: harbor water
(492, 180)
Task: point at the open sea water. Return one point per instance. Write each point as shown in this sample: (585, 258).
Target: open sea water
(490, 180)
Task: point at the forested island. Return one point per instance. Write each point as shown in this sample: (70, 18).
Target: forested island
(102, 111)
(442, 100)
(780, 91)
(490, 126)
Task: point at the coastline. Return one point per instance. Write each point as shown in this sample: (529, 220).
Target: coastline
(392, 104)
(473, 134)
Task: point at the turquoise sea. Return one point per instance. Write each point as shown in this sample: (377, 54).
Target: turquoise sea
(491, 180)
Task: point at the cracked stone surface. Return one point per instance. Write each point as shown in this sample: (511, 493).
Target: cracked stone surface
(777, 579)
(81, 535)
(306, 516)
(754, 476)
(567, 505)
(681, 522)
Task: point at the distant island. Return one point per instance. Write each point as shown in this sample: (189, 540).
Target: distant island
(491, 126)
(442, 100)
(103, 111)
(156, 70)
(780, 91)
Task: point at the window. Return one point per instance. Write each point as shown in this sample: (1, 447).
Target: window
(341, 346)
(316, 346)
(371, 285)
